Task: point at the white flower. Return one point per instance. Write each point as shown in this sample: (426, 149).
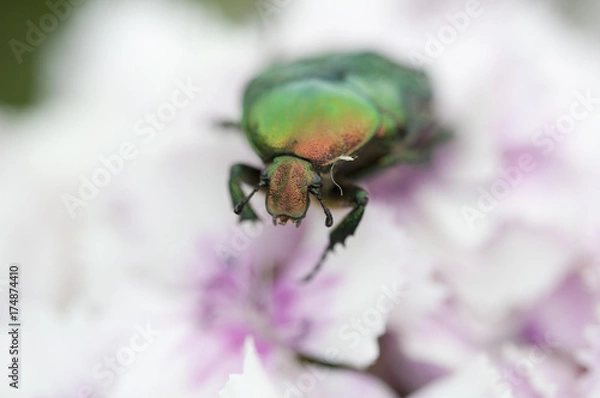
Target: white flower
(253, 382)
(428, 298)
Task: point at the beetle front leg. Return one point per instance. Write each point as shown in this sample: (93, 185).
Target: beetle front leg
(420, 154)
(241, 173)
(358, 198)
(228, 124)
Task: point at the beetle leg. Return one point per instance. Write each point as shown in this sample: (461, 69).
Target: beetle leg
(418, 154)
(241, 173)
(358, 198)
(403, 155)
(228, 124)
(311, 360)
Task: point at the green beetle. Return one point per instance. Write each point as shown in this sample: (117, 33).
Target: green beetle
(358, 112)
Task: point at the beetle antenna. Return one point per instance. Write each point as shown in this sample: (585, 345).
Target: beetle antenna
(237, 209)
(345, 158)
(328, 216)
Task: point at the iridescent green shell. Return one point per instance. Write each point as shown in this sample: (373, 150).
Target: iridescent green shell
(323, 108)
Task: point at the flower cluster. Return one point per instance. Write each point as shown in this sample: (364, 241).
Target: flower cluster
(476, 275)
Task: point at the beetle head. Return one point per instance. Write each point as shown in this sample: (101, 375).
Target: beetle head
(290, 180)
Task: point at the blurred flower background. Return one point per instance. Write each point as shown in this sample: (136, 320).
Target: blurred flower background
(477, 276)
